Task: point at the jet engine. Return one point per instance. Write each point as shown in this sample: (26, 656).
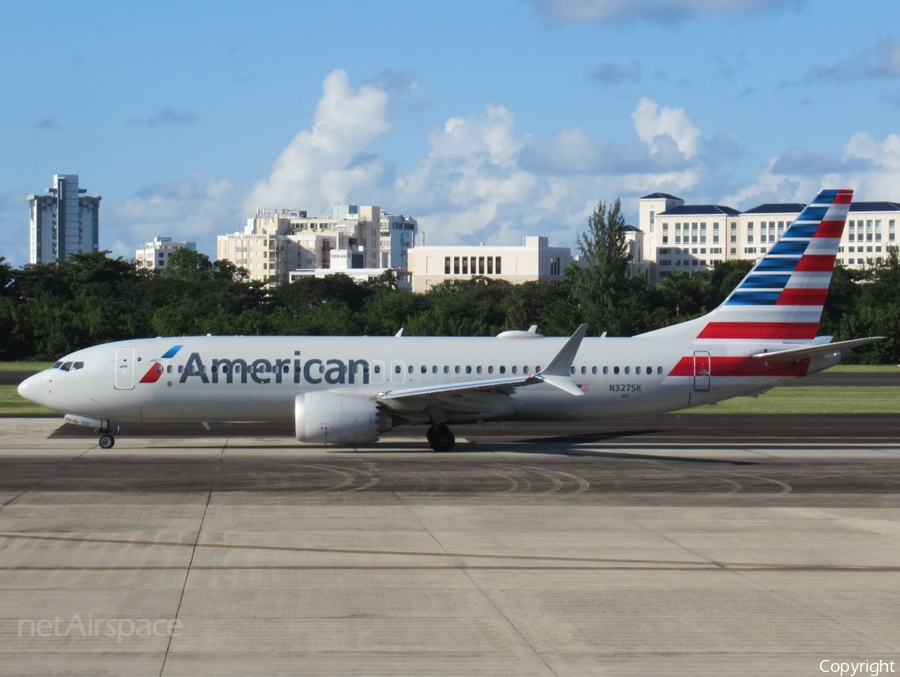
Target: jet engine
(325, 417)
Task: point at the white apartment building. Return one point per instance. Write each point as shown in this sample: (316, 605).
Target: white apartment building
(695, 237)
(275, 243)
(63, 222)
(533, 260)
(154, 255)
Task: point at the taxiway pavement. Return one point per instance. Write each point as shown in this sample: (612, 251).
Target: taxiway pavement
(526, 551)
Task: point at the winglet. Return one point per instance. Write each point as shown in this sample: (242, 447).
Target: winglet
(557, 372)
(562, 363)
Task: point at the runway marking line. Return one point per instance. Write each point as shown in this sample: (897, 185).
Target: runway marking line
(673, 565)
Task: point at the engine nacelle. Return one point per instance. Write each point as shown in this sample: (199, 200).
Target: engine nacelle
(335, 418)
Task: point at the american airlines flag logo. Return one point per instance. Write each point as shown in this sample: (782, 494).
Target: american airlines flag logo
(584, 387)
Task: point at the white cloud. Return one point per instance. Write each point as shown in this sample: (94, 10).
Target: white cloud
(193, 209)
(14, 227)
(578, 11)
(651, 124)
(324, 165)
(484, 181)
(868, 165)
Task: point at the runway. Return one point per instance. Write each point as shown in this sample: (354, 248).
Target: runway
(642, 547)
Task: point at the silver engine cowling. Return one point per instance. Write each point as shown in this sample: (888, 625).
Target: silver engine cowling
(335, 418)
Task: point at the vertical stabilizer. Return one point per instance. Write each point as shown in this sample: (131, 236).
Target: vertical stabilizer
(781, 298)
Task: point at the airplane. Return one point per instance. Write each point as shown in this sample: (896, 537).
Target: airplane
(350, 390)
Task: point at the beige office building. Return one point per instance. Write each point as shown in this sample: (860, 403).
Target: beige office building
(533, 260)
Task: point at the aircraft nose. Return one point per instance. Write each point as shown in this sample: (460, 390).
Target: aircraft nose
(32, 388)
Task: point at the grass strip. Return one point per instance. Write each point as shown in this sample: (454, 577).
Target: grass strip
(24, 366)
(810, 400)
(12, 403)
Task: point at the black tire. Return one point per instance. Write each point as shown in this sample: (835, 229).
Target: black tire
(107, 441)
(440, 438)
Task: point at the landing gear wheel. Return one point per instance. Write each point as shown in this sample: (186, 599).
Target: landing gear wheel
(107, 441)
(440, 438)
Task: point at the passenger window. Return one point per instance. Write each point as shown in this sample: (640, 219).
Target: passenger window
(515, 370)
(659, 370)
(478, 369)
(502, 370)
(456, 369)
(605, 370)
(490, 370)
(376, 368)
(637, 370)
(524, 370)
(446, 368)
(468, 369)
(424, 369)
(409, 369)
(181, 368)
(615, 370)
(627, 370)
(594, 370)
(584, 370)
(572, 369)
(434, 369)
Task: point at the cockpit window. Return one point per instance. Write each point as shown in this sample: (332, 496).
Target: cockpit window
(78, 365)
(66, 366)
(58, 365)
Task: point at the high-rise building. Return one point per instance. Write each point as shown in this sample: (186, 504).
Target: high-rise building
(398, 235)
(63, 221)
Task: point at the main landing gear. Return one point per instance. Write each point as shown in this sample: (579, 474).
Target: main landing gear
(440, 438)
(107, 441)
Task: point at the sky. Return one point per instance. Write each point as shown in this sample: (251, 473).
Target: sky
(486, 121)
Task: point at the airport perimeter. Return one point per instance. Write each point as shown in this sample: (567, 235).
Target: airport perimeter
(526, 551)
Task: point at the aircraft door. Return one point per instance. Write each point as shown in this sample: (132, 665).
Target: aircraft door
(702, 369)
(125, 369)
(398, 371)
(377, 372)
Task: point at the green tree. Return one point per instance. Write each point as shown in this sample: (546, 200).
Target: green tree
(600, 284)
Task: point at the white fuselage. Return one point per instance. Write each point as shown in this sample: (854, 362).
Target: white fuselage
(215, 378)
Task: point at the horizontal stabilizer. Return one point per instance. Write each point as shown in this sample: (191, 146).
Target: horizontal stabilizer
(811, 351)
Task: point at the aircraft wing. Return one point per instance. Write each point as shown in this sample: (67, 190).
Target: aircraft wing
(556, 373)
(811, 351)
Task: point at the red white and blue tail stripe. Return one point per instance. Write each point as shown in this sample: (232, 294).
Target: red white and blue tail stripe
(781, 299)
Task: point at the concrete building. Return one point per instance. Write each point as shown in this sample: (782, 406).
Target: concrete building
(398, 235)
(695, 237)
(63, 221)
(533, 260)
(273, 244)
(154, 255)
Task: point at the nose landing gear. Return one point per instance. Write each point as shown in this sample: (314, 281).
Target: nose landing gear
(440, 438)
